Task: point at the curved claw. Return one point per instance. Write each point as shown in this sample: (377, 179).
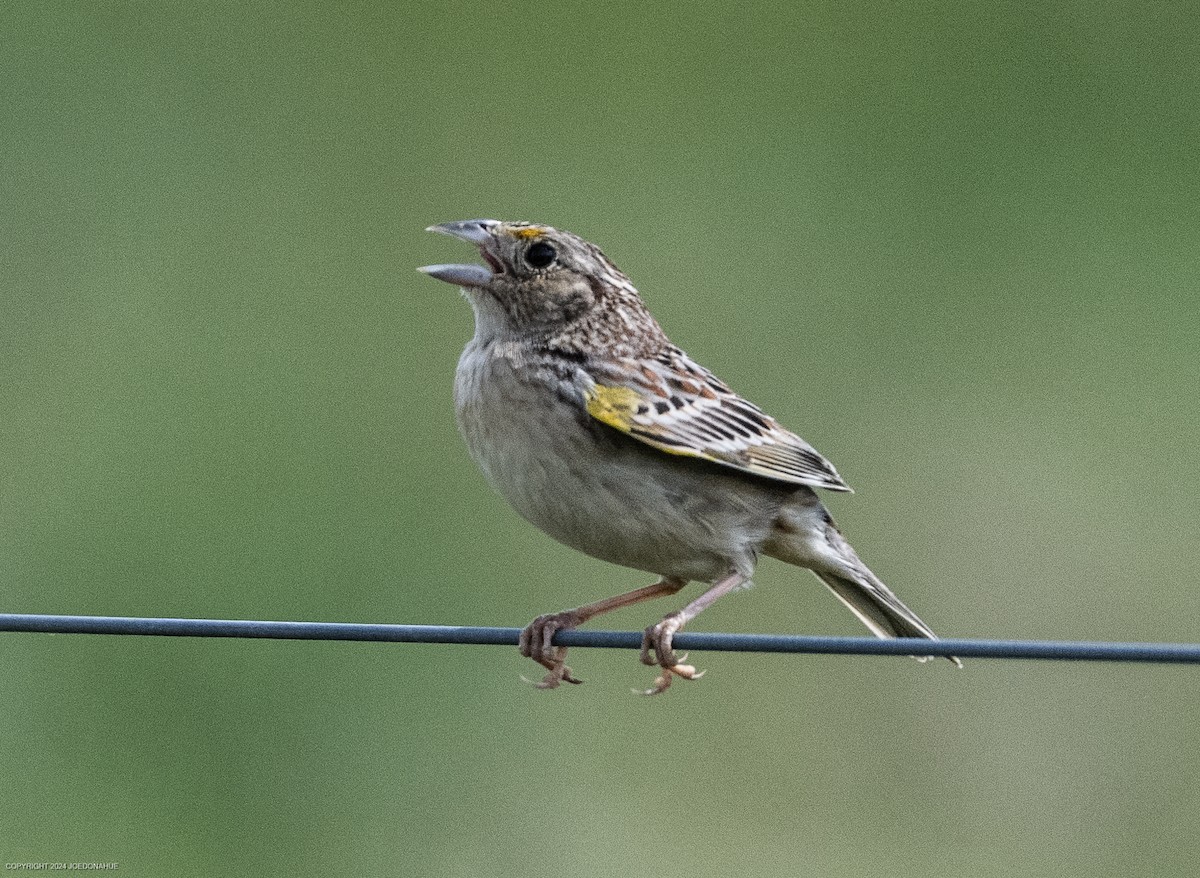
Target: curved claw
(537, 642)
(663, 681)
(688, 672)
(656, 650)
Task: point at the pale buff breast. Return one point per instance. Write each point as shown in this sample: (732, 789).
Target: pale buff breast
(599, 491)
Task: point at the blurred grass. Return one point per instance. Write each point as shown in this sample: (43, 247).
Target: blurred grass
(953, 245)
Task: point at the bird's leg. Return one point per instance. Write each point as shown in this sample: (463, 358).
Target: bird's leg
(656, 642)
(536, 641)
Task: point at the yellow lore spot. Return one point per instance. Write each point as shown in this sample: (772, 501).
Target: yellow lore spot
(614, 406)
(528, 232)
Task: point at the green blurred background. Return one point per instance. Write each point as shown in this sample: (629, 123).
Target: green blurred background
(954, 245)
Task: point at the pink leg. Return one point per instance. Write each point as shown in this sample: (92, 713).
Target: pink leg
(656, 643)
(536, 638)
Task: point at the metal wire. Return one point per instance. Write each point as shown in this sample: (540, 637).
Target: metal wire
(1058, 650)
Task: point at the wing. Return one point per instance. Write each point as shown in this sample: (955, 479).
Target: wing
(678, 406)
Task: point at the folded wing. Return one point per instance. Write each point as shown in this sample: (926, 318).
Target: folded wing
(677, 406)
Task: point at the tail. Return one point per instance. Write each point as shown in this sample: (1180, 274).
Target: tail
(820, 546)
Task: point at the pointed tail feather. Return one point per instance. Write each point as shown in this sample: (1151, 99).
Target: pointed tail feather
(878, 608)
(805, 535)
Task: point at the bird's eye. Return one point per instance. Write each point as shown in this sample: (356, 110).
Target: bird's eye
(540, 254)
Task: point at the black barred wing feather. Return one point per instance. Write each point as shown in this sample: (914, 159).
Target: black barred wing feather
(680, 407)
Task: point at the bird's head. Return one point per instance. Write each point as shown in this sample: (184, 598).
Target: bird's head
(540, 282)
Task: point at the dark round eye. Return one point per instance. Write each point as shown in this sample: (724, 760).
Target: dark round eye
(540, 254)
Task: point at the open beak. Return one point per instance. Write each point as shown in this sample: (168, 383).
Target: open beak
(477, 232)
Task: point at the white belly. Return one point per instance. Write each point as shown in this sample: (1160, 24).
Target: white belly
(599, 491)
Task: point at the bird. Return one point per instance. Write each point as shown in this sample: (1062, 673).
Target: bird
(602, 433)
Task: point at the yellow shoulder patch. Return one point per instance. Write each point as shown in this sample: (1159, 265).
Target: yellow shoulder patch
(614, 406)
(528, 232)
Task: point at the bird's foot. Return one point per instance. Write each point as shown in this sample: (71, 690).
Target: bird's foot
(536, 642)
(657, 651)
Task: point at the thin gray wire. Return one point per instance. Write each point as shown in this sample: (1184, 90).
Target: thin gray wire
(1057, 650)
